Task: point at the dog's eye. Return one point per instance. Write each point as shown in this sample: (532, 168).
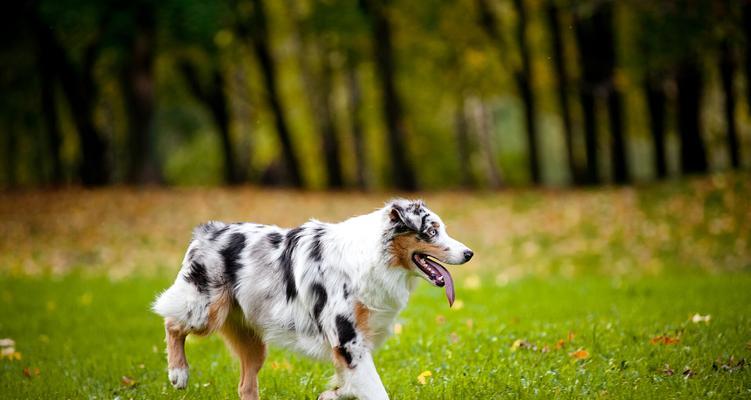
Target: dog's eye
(432, 232)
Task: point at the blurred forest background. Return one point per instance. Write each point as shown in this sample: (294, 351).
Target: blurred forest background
(373, 93)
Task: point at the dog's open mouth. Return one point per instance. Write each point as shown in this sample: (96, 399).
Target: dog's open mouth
(436, 273)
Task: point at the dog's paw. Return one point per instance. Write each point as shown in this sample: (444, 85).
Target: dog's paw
(178, 377)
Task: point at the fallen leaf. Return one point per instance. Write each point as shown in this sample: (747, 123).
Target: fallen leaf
(472, 282)
(521, 344)
(127, 381)
(729, 365)
(664, 340)
(559, 344)
(30, 372)
(696, 318)
(580, 354)
(423, 377)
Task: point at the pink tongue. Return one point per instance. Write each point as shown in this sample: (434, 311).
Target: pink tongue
(448, 281)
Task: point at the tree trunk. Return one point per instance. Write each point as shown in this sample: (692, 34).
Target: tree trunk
(138, 85)
(463, 146)
(596, 41)
(727, 73)
(318, 90)
(656, 103)
(524, 78)
(358, 136)
(402, 172)
(587, 100)
(618, 141)
(215, 100)
(559, 64)
(747, 34)
(689, 82)
(480, 118)
(80, 91)
(330, 134)
(257, 30)
(49, 111)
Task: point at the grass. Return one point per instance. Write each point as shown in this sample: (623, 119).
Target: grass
(85, 334)
(583, 294)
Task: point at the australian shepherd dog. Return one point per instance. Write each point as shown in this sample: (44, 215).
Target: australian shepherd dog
(328, 290)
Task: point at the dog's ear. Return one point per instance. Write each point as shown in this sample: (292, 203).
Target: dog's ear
(407, 213)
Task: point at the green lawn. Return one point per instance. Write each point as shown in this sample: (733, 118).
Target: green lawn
(85, 334)
(571, 294)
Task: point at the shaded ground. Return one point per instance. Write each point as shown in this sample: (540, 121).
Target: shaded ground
(571, 294)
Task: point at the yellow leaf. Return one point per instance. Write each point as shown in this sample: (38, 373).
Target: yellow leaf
(664, 340)
(422, 378)
(127, 381)
(580, 354)
(472, 282)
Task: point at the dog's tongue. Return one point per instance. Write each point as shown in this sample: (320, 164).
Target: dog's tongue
(448, 282)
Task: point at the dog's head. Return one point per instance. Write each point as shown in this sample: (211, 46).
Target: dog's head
(418, 240)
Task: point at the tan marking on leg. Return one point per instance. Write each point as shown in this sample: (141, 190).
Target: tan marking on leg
(175, 334)
(218, 310)
(340, 363)
(362, 320)
(251, 351)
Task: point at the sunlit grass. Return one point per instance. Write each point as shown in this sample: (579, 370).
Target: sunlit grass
(565, 294)
(86, 334)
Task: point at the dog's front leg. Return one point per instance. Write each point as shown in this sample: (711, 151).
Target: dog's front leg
(355, 370)
(360, 379)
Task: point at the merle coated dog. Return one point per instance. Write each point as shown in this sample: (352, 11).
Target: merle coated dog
(330, 291)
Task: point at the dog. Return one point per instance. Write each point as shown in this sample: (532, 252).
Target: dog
(327, 290)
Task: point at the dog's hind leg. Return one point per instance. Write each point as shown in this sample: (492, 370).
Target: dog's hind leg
(251, 351)
(177, 364)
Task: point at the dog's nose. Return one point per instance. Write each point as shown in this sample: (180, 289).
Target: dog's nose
(468, 254)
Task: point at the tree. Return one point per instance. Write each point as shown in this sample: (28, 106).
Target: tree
(47, 83)
(253, 25)
(79, 86)
(402, 173)
(553, 14)
(596, 44)
(727, 73)
(317, 83)
(656, 106)
(523, 75)
(689, 82)
(213, 96)
(138, 88)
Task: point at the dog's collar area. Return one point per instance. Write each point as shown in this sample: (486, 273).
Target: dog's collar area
(436, 273)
